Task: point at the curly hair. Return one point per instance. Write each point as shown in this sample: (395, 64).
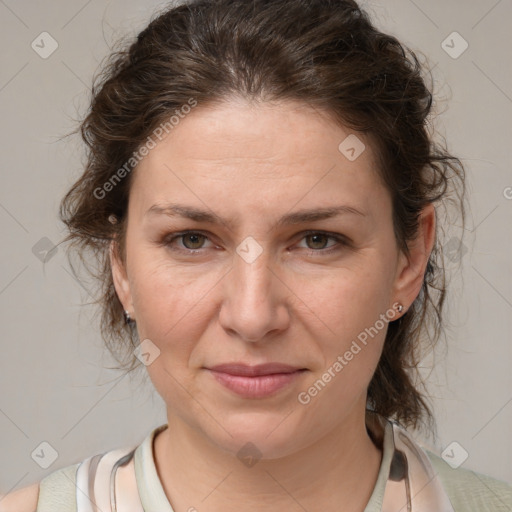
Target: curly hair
(324, 53)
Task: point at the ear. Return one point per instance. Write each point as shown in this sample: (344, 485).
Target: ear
(411, 268)
(120, 278)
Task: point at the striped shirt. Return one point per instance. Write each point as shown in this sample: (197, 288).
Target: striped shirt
(467, 490)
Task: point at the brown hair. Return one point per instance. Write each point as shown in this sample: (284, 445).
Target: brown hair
(324, 53)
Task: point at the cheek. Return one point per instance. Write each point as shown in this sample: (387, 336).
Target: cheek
(345, 301)
(171, 301)
(350, 338)
(173, 308)
(345, 308)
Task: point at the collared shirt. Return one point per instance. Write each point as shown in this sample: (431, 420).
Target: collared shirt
(467, 491)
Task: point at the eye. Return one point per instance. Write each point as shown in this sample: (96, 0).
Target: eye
(317, 240)
(196, 240)
(190, 241)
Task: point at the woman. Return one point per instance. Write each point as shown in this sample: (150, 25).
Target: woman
(261, 195)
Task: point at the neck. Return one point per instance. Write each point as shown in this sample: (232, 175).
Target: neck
(339, 469)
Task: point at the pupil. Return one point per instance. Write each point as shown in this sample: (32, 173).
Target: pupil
(316, 237)
(194, 237)
(196, 240)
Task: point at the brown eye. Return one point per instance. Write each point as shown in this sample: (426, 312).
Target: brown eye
(192, 240)
(317, 243)
(186, 242)
(318, 240)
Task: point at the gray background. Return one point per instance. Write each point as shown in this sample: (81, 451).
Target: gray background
(56, 386)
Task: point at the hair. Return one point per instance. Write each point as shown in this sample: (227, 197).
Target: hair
(323, 53)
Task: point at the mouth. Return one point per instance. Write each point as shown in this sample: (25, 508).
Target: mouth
(255, 381)
(246, 370)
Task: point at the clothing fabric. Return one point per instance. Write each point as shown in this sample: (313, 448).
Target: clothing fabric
(410, 479)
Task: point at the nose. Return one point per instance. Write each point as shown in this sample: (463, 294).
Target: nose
(254, 305)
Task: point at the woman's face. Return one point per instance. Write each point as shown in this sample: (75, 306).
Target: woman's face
(293, 261)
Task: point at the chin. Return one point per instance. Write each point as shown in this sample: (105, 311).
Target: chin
(260, 435)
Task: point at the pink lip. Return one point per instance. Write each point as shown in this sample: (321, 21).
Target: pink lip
(255, 381)
(244, 370)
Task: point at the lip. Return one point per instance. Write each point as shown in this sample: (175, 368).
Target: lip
(245, 370)
(255, 381)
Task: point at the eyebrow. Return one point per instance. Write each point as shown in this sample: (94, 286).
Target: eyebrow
(298, 217)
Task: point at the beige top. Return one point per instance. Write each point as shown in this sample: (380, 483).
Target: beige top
(468, 491)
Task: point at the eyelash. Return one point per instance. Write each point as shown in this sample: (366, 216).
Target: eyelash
(341, 242)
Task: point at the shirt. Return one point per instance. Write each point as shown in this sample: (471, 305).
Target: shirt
(467, 490)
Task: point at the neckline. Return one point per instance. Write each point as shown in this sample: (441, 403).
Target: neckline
(153, 497)
(151, 491)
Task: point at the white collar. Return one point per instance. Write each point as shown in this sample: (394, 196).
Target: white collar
(406, 481)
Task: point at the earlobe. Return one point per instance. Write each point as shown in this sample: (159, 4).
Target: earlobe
(120, 278)
(411, 268)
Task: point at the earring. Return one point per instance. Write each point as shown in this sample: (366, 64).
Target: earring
(400, 308)
(127, 318)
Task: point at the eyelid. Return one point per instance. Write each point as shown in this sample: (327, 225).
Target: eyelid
(336, 236)
(171, 237)
(341, 240)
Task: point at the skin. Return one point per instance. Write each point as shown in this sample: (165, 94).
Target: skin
(297, 303)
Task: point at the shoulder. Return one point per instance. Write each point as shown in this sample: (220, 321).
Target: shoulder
(53, 493)
(57, 491)
(20, 500)
(471, 491)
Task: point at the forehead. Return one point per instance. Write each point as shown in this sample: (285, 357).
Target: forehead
(237, 128)
(282, 153)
